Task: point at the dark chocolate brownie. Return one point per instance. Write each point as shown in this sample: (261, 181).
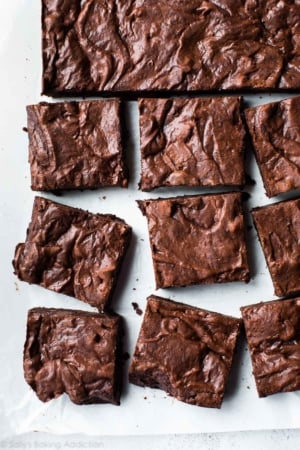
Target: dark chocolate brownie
(72, 251)
(75, 145)
(197, 239)
(192, 142)
(75, 352)
(185, 351)
(133, 46)
(273, 334)
(275, 133)
(278, 228)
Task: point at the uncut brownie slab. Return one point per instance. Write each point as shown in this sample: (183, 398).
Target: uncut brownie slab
(278, 228)
(185, 351)
(273, 335)
(72, 251)
(75, 352)
(275, 133)
(197, 239)
(192, 142)
(131, 46)
(75, 145)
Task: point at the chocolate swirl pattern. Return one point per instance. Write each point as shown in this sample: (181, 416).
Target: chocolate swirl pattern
(75, 145)
(197, 239)
(74, 352)
(194, 142)
(72, 251)
(127, 46)
(185, 351)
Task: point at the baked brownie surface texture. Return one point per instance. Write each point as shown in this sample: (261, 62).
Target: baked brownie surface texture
(72, 251)
(185, 351)
(94, 45)
(278, 228)
(275, 134)
(273, 335)
(197, 239)
(193, 142)
(74, 352)
(75, 145)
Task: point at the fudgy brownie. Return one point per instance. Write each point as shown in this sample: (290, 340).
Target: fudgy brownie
(75, 145)
(197, 239)
(132, 46)
(275, 133)
(278, 228)
(185, 351)
(273, 335)
(192, 142)
(72, 251)
(75, 352)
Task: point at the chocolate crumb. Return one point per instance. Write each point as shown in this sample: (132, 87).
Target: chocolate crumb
(136, 308)
(25, 129)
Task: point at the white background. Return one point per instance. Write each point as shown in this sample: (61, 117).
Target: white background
(143, 413)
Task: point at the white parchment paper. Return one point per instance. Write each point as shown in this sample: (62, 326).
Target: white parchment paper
(143, 411)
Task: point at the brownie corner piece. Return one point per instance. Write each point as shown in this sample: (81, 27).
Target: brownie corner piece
(197, 239)
(275, 134)
(191, 142)
(185, 351)
(273, 335)
(76, 145)
(72, 251)
(278, 230)
(73, 352)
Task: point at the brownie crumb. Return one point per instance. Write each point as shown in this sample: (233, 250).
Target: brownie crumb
(25, 129)
(136, 308)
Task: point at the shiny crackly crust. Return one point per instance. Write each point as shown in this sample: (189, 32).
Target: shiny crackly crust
(193, 142)
(95, 45)
(75, 145)
(74, 352)
(275, 133)
(278, 228)
(273, 334)
(197, 239)
(71, 251)
(185, 351)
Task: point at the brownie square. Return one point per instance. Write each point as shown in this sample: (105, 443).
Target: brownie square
(185, 351)
(273, 335)
(191, 142)
(278, 228)
(275, 132)
(197, 239)
(137, 46)
(75, 352)
(72, 251)
(75, 145)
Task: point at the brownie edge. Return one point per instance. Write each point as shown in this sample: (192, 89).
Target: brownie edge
(185, 351)
(74, 352)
